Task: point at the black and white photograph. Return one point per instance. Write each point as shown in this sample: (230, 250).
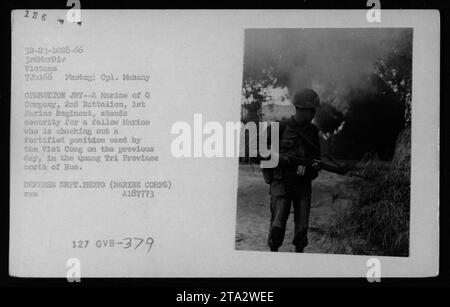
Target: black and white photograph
(342, 100)
(235, 144)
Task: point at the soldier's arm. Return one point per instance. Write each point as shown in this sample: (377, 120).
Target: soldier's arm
(266, 133)
(316, 154)
(284, 160)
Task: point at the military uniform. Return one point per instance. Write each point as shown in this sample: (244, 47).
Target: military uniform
(287, 186)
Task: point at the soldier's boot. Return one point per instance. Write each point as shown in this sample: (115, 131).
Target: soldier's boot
(300, 241)
(275, 238)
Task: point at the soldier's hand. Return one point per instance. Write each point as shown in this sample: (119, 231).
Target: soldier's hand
(315, 166)
(301, 170)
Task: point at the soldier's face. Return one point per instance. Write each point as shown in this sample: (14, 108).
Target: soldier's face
(302, 115)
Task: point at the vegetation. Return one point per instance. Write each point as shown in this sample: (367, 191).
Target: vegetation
(378, 221)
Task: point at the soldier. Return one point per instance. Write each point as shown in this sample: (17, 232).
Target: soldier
(290, 183)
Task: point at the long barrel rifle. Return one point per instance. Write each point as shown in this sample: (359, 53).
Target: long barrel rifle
(329, 167)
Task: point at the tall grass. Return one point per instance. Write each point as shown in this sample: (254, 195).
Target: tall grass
(380, 211)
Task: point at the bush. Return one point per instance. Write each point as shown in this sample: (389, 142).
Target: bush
(380, 211)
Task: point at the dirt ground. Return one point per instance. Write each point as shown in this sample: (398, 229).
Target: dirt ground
(253, 213)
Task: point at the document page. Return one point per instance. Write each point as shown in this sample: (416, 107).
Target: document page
(139, 145)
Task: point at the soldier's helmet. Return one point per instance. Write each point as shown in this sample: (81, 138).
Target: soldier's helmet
(306, 99)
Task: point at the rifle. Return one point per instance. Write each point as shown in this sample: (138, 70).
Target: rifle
(268, 172)
(336, 168)
(328, 167)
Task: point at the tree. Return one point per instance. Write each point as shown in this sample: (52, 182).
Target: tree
(396, 71)
(254, 94)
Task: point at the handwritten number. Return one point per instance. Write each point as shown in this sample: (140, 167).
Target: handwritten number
(149, 243)
(126, 241)
(141, 240)
(128, 244)
(35, 15)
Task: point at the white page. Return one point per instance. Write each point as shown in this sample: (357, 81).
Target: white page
(187, 62)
